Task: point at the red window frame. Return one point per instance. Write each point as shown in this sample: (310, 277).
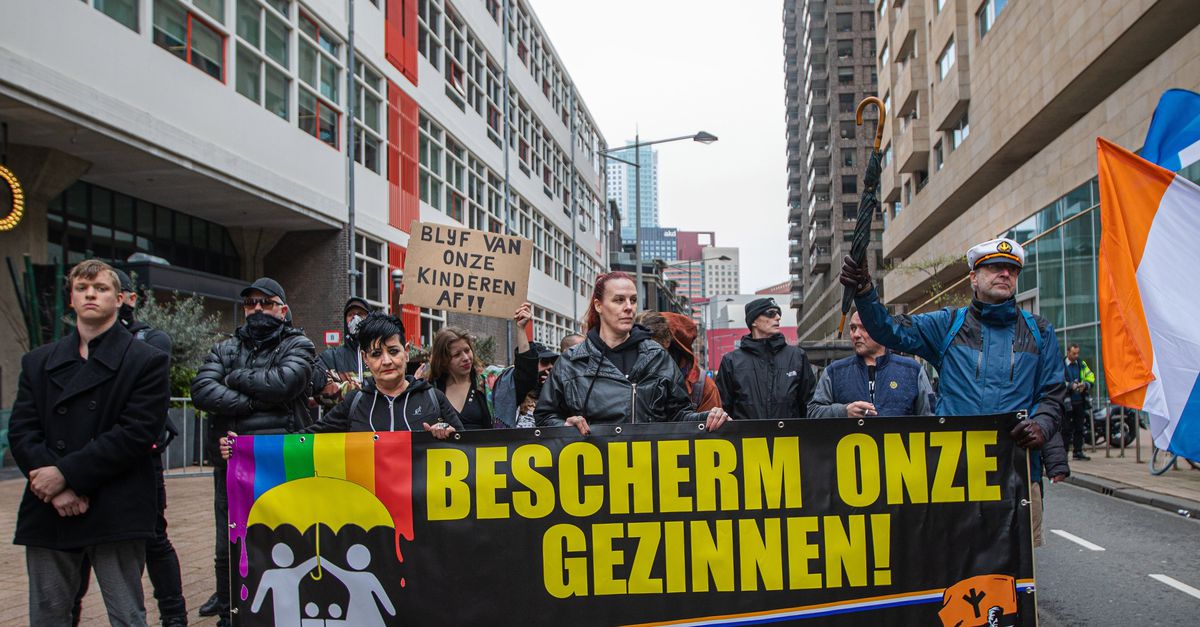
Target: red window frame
(191, 17)
(337, 125)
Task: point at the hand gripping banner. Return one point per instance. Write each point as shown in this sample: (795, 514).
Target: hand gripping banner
(894, 521)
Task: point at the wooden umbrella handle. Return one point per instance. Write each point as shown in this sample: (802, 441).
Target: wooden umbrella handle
(858, 113)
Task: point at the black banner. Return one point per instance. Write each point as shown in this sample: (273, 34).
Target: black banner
(885, 521)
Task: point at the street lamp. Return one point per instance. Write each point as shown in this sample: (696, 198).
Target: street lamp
(701, 137)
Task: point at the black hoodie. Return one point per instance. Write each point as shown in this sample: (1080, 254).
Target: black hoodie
(372, 410)
(625, 354)
(345, 358)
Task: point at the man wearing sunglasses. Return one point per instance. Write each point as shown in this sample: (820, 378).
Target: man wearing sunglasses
(254, 383)
(765, 378)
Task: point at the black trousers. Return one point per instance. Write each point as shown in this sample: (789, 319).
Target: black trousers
(162, 565)
(1073, 425)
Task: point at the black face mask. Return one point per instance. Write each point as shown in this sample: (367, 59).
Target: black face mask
(261, 327)
(125, 315)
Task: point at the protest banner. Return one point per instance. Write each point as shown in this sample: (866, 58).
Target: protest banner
(898, 521)
(465, 270)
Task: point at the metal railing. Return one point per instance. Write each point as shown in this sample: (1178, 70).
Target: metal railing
(186, 455)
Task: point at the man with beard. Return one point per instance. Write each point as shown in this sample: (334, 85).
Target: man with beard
(765, 378)
(873, 382)
(254, 383)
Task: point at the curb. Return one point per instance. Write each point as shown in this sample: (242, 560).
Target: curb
(1174, 504)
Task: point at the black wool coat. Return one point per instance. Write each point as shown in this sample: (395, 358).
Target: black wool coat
(96, 421)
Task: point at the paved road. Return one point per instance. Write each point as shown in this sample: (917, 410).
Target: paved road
(1084, 586)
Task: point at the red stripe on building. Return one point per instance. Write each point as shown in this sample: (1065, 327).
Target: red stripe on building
(400, 37)
(410, 315)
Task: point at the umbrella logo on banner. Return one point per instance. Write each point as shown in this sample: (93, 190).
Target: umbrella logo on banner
(326, 590)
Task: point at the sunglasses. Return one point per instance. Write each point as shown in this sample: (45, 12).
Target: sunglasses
(772, 313)
(265, 303)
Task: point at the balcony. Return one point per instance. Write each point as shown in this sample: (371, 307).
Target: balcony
(795, 247)
(817, 153)
(818, 176)
(795, 231)
(905, 22)
(796, 265)
(819, 207)
(818, 260)
(912, 146)
(820, 234)
(795, 212)
(911, 78)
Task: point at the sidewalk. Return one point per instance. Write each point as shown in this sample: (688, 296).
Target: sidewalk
(1124, 478)
(189, 525)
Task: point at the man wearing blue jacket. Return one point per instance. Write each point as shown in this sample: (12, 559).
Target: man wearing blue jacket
(992, 356)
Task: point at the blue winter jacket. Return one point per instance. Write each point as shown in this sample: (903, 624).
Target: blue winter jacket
(993, 365)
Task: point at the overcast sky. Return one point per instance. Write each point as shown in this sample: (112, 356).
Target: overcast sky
(673, 67)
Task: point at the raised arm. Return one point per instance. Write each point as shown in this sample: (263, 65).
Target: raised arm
(921, 334)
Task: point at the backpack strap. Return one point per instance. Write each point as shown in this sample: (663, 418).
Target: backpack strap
(1033, 328)
(960, 317)
(433, 399)
(354, 403)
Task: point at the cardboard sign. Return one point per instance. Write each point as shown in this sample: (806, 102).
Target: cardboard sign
(466, 270)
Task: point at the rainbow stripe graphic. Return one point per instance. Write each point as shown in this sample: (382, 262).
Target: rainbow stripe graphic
(379, 462)
(849, 606)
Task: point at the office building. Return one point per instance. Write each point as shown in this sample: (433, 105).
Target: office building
(622, 187)
(214, 134)
(997, 107)
(829, 50)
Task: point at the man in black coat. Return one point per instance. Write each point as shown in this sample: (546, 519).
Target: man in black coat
(89, 408)
(340, 369)
(765, 378)
(254, 383)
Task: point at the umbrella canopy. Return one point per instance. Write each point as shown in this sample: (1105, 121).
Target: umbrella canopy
(868, 202)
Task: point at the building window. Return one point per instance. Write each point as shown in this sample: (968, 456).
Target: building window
(87, 220)
(938, 157)
(214, 8)
(371, 263)
(320, 75)
(960, 132)
(938, 6)
(845, 76)
(844, 22)
(261, 60)
(887, 156)
(987, 15)
(368, 121)
(946, 60)
(432, 321)
(849, 184)
(885, 56)
(849, 211)
(190, 38)
(848, 157)
(847, 129)
(845, 48)
(123, 11)
(868, 20)
(429, 32)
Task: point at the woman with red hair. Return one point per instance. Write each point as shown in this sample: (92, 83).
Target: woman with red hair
(618, 374)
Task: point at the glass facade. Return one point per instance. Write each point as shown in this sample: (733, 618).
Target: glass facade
(88, 220)
(1062, 245)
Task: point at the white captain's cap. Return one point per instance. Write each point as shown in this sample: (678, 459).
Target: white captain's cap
(1000, 250)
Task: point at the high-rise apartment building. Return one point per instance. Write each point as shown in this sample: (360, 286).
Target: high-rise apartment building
(829, 49)
(622, 187)
(214, 134)
(996, 107)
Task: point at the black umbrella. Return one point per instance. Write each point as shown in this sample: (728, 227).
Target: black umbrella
(868, 202)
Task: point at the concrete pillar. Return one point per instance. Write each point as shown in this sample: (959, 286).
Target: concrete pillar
(253, 245)
(311, 267)
(44, 173)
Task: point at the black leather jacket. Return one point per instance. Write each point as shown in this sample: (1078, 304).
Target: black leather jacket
(586, 383)
(766, 379)
(254, 388)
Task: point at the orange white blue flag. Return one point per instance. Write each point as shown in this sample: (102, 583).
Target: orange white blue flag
(1149, 245)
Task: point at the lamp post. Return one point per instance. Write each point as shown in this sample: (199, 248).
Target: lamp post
(702, 137)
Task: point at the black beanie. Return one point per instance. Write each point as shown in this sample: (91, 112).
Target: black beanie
(758, 307)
